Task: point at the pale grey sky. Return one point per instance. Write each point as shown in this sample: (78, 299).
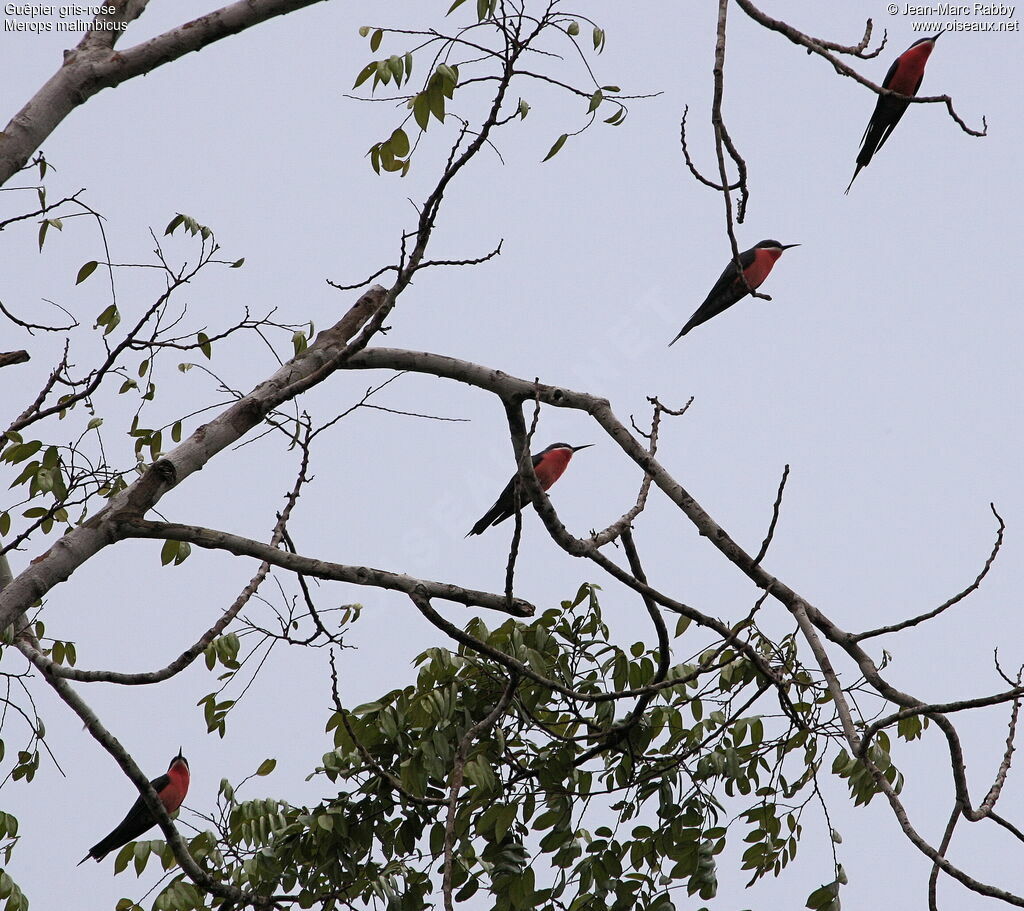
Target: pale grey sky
(886, 372)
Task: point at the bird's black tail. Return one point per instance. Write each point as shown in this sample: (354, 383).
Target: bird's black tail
(852, 179)
(102, 848)
(497, 513)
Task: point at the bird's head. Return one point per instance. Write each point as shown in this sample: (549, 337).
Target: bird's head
(925, 46)
(555, 446)
(773, 245)
(178, 758)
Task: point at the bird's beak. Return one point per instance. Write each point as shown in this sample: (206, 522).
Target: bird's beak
(585, 446)
(936, 37)
(789, 246)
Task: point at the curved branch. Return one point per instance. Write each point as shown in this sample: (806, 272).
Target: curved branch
(767, 542)
(914, 621)
(94, 66)
(321, 569)
(825, 48)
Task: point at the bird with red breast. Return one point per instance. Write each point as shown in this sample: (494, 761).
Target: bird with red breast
(548, 464)
(756, 263)
(904, 76)
(170, 787)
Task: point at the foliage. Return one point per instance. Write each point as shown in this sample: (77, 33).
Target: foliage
(562, 806)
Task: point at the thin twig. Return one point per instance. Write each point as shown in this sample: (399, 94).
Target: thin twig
(775, 518)
(956, 599)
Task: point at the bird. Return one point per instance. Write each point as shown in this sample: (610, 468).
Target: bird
(905, 77)
(171, 788)
(757, 262)
(548, 465)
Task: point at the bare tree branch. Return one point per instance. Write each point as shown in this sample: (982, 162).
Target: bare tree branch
(775, 518)
(7, 358)
(956, 599)
(320, 569)
(825, 49)
(94, 66)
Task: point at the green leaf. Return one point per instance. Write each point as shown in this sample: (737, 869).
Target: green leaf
(203, 341)
(558, 145)
(573, 28)
(109, 319)
(435, 97)
(617, 118)
(86, 271)
(824, 898)
(397, 67)
(168, 552)
(375, 39)
(21, 451)
(266, 767)
(421, 110)
(365, 73)
(909, 728)
(173, 224)
(595, 101)
(123, 857)
(237, 264)
(399, 143)
(142, 852)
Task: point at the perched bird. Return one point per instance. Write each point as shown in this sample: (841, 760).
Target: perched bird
(905, 77)
(757, 262)
(171, 788)
(548, 465)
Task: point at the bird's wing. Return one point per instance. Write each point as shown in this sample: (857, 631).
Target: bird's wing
(891, 73)
(503, 507)
(727, 290)
(896, 113)
(879, 107)
(137, 820)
